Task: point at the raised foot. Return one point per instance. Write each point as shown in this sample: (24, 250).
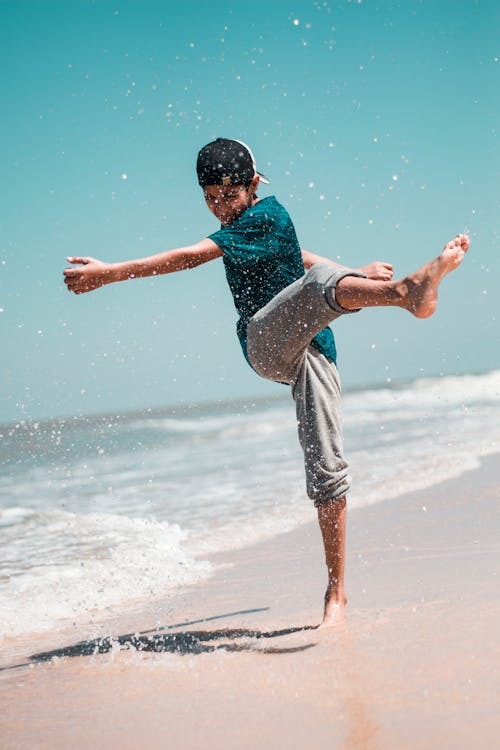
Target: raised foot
(420, 288)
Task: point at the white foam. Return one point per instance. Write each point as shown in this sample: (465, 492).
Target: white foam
(424, 394)
(13, 516)
(68, 564)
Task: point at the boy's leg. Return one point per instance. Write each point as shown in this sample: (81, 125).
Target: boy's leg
(279, 333)
(416, 293)
(332, 522)
(316, 391)
(278, 348)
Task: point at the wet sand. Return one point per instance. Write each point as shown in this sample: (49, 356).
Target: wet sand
(415, 665)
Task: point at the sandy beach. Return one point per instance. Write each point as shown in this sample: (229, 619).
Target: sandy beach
(210, 211)
(239, 665)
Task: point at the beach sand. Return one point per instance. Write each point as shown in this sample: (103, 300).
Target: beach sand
(415, 665)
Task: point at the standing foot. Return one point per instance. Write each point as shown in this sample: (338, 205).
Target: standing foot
(334, 610)
(419, 289)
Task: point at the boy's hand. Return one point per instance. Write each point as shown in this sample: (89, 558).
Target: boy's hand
(91, 275)
(378, 271)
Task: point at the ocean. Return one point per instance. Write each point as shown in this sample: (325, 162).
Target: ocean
(99, 512)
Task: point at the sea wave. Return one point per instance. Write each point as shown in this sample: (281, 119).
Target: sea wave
(62, 564)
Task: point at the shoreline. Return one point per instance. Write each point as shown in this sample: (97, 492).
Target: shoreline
(413, 666)
(60, 568)
(283, 549)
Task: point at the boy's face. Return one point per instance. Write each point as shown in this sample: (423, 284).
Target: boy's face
(228, 202)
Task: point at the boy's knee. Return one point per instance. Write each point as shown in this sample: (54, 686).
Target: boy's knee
(323, 280)
(332, 489)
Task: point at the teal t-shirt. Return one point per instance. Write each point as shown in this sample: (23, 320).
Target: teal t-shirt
(261, 257)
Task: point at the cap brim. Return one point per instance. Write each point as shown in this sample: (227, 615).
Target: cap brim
(263, 178)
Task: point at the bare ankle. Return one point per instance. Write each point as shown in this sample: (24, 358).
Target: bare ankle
(335, 595)
(402, 292)
(335, 601)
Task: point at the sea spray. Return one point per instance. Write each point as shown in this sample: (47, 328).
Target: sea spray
(99, 512)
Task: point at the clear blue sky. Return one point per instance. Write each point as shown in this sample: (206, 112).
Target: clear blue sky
(375, 121)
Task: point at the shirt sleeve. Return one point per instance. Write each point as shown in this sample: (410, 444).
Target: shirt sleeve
(243, 240)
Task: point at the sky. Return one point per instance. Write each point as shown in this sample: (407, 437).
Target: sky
(375, 121)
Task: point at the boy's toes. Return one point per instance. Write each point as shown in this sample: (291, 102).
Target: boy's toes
(464, 242)
(461, 241)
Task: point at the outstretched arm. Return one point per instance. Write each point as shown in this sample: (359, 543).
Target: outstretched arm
(377, 270)
(93, 273)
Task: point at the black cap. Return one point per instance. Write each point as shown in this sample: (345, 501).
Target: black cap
(226, 162)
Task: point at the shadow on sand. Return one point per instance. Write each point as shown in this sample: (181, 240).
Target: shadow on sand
(181, 642)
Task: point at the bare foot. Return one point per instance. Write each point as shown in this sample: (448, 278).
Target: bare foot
(334, 611)
(420, 288)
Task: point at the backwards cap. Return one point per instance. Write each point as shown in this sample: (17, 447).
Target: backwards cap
(226, 162)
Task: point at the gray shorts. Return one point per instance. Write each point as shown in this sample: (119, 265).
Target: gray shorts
(278, 347)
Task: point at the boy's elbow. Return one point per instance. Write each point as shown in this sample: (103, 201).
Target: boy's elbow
(307, 259)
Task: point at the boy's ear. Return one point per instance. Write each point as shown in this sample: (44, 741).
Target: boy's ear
(252, 188)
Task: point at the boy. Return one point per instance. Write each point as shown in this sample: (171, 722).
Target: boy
(285, 299)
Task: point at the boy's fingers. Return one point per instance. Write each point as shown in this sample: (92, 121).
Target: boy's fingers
(387, 270)
(78, 259)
